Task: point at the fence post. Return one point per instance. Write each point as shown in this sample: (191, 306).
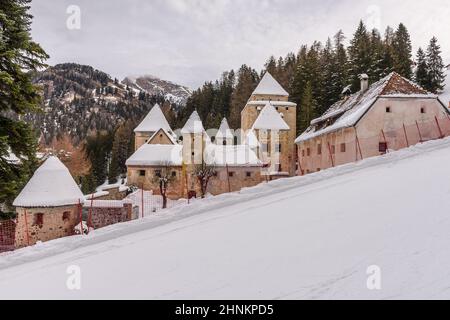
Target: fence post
(26, 227)
(331, 155)
(358, 145)
(406, 136)
(90, 215)
(228, 178)
(142, 202)
(420, 133)
(439, 127)
(80, 213)
(385, 141)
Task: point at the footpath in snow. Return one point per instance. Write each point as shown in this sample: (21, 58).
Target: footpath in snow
(304, 237)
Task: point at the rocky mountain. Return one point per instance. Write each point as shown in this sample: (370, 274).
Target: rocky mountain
(172, 92)
(79, 100)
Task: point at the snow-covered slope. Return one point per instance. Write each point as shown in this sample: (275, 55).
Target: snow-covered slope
(310, 237)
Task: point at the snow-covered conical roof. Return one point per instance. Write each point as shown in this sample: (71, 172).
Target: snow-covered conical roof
(224, 131)
(251, 139)
(52, 185)
(154, 121)
(270, 119)
(193, 125)
(269, 86)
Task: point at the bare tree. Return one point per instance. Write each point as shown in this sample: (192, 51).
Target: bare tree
(163, 178)
(204, 173)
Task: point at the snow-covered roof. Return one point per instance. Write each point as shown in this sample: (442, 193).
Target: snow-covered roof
(172, 137)
(445, 95)
(233, 156)
(251, 139)
(154, 121)
(270, 119)
(51, 186)
(193, 125)
(272, 102)
(157, 155)
(224, 131)
(348, 111)
(269, 86)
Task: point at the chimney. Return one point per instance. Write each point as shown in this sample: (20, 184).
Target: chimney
(364, 82)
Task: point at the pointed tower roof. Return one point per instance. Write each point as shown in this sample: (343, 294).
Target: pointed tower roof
(224, 131)
(269, 86)
(154, 121)
(252, 140)
(270, 119)
(51, 186)
(193, 125)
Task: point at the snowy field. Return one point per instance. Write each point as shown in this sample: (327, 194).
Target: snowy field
(301, 238)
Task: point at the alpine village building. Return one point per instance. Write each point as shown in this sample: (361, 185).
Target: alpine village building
(266, 151)
(391, 114)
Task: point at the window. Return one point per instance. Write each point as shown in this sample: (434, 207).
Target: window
(278, 147)
(66, 216)
(231, 174)
(319, 149)
(279, 169)
(333, 149)
(383, 147)
(308, 152)
(213, 139)
(318, 169)
(388, 110)
(193, 153)
(158, 173)
(303, 152)
(215, 174)
(38, 220)
(174, 174)
(248, 174)
(343, 147)
(224, 142)
(142, 173)
(422, 110)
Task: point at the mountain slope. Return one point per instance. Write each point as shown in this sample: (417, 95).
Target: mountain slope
(172, 92)
(307, 237)
(79, 100)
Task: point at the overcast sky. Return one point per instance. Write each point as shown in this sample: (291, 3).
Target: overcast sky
(192, 41)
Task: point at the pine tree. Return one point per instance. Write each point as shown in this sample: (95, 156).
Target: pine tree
(19, 56)
(307, 109)
(421, 74)
(360, 58)
(436, 76)
(402, 52)
(340, 66)
(122, 149)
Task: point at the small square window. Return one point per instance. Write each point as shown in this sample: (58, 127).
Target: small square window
(303, 152)
(66, 216)
(318, 169)
(308, 152)
(231, 174)
(343, 147)
(142, 173)
(174, 174)
(248, 174)
(38, 219)
(383, 147)
(319, 149)
(388, 110)
(158, 173)
(422, 110)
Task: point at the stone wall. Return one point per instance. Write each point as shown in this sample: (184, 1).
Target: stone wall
(238, 178)
(44, 224)
(105, 213)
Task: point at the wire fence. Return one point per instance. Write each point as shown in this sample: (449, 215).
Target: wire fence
(348, 146)
(7, 235)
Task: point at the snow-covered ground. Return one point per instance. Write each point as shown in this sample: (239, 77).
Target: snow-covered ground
(310, 237)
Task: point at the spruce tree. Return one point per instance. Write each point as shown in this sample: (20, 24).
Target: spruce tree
(359, 56)
(436, 76)
(402, 52)
(421, 74)
(19, 57)
(307, 109)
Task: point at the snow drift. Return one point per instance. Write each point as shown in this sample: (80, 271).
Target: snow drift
(311, 237)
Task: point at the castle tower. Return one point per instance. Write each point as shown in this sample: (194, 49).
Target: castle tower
(48, 207)
(272, 133)
(269, 91)
(153, 122)
(224, 136)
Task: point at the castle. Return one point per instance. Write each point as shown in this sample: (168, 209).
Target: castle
(266, 149)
